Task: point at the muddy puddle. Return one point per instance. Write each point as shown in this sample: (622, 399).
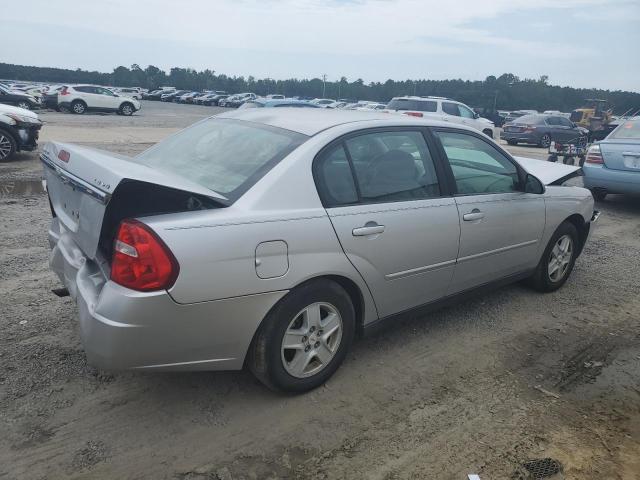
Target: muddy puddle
(20, 188)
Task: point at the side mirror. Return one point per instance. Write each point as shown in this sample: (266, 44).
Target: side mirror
(574, 124)
(476, 115)
(533, 185)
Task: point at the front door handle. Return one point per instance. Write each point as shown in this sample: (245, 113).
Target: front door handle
(370, 228)
(474, 215)
(630, 154)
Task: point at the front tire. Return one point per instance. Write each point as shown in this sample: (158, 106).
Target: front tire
(304, 338)
(558, 259)
(78, 107)
(545, 141)
(8, 145)
(126, 109)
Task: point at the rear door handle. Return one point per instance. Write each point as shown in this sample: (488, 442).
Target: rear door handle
(474, 215)
(370, 228)
(630, 154)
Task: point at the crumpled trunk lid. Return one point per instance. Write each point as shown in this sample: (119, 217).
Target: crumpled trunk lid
(81, 183)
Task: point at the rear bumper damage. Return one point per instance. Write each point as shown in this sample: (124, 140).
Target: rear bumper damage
(126, 329)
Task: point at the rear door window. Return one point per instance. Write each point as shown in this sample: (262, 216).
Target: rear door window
(393, 166)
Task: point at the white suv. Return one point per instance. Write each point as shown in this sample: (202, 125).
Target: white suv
(441, 108)
(81, 98)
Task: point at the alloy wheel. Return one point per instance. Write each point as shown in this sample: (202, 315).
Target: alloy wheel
(560, 258)
(5, 147)
(311, 340)
(126, 109)
(24, 105)
(545, 141)
(78, 108)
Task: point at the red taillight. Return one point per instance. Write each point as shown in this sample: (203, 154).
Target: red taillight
(594, 155)
(64, 156)
(64, 91)
(141, 261)
(529, 128)
(414, 114)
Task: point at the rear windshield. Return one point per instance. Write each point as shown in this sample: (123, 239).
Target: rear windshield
(629, 129)
(223, 155)
(413, 105)
(530, 119)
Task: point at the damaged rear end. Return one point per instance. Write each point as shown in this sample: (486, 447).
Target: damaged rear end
(116, 267)
(94, 196)
(112, 238)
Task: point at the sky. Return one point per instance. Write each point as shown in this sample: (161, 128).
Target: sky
(578, 43)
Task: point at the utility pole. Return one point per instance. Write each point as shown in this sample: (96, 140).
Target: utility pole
(324, 81)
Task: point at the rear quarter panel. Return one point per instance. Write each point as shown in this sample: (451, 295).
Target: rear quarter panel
(217, 257)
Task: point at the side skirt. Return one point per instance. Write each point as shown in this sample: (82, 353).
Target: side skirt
(383, 323)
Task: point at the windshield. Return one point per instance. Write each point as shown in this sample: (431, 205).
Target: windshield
(223, 155)
(629, 129)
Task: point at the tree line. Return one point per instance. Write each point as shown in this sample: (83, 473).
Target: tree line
(505, 92)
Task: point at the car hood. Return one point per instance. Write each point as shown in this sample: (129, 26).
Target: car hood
(18, 111)
(546, 172)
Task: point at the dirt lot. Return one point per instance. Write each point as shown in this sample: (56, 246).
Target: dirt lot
(477, 388)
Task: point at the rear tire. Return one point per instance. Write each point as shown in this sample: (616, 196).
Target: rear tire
(8, 145)
(512, 142)
(78, 107)
(317, 343)
(561, 252)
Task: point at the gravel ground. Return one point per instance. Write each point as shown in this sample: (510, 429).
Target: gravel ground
(481, 387)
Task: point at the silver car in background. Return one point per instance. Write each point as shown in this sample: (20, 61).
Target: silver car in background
(272, 237)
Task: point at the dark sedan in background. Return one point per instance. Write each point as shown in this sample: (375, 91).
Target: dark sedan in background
(18, 99)
(542, 130)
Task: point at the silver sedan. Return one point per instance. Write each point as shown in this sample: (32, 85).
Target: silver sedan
(271, 238)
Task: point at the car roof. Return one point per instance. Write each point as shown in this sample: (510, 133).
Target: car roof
(310, 121)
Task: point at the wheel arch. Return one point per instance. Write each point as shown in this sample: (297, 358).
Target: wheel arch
(351, 287)
(582, 226)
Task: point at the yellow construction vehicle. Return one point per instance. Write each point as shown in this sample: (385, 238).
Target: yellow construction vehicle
(595, 117)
